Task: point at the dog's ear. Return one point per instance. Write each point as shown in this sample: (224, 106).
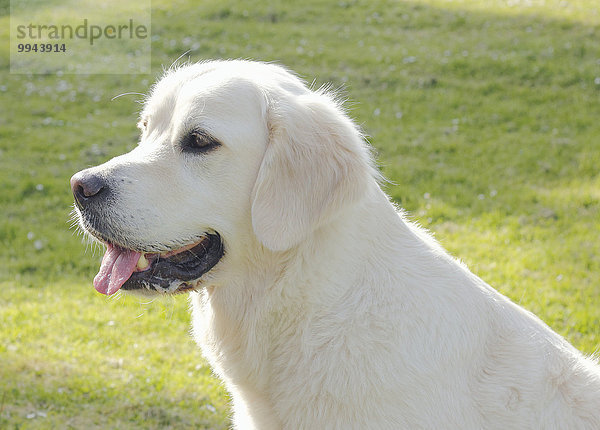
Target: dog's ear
(315, 164)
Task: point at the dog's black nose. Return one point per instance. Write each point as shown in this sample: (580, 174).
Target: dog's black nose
(87, 186)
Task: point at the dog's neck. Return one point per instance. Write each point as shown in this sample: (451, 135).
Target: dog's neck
(351, 241)
(240, 323)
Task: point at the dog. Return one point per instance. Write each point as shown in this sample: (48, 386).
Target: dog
(313, 297)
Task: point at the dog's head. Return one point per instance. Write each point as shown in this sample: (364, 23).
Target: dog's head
(232, 155)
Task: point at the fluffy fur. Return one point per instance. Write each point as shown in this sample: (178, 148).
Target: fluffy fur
(330, 310)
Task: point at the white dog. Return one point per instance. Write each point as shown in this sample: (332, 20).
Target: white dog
(315, 300)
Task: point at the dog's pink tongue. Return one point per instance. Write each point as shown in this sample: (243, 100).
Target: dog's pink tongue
(117, 266)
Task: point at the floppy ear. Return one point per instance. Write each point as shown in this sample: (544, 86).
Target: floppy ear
(315, 164)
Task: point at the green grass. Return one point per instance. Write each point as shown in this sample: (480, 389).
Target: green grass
(74, 359)
(484, 116)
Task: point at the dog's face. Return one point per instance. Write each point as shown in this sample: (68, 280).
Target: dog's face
(231, 155)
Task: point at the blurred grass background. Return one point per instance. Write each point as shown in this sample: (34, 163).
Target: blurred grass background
(484, 115)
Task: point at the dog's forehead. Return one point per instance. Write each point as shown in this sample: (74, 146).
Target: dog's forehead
(220, 81)
(164, 95)
(197, 89)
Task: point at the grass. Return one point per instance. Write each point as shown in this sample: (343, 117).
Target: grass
(484, 116)
(77, 360)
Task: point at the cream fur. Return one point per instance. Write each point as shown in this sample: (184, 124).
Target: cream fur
(330, 310)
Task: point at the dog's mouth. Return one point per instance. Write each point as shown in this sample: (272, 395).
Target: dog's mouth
(170, 272)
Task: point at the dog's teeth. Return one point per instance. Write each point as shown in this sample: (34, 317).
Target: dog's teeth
(142, 262)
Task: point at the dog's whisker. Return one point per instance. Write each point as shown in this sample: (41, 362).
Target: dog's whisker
(128, 94)
(116, 296)
(174, 63)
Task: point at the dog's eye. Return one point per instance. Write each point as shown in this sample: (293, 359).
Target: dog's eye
(199, 141)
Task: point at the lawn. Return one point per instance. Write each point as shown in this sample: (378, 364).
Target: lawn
(484, 117)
